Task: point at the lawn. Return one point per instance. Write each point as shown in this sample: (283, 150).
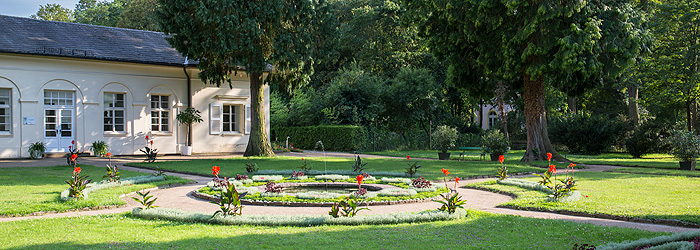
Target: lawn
(656, 171)
(513, 157)
(480, 230)
(27, 190)
(620, 194)
(430, 169)
(623, 159)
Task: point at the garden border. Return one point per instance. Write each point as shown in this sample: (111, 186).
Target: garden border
(212, 198)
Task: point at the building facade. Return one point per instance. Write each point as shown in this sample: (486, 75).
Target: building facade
(65, 83)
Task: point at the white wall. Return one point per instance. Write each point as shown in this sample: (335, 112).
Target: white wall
(30, 76)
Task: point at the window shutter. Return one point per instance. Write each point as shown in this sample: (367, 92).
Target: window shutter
(247, 119)
(215, 118)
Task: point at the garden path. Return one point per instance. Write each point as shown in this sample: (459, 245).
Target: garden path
(180, 197)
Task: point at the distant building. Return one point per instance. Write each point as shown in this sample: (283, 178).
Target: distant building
(491, 118)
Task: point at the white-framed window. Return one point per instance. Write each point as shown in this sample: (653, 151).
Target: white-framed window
(231, 118)
(5, 110)
(115, 113)
(493, 117)
(58, 98)
(160, 113)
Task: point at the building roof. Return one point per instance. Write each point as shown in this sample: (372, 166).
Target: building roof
(19, 35)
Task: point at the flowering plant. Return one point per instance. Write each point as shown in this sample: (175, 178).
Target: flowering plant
(72, 156)
(444, 138)
(412, 168)
(304, 167)
(271, 187)
(230, 203)
(77, 184)
(346, 208)
(685, 146)
(452, 201)
(421, 182)
(150, 151)
(218, 182)
(112, 172)
(502, 172)
(358, 166)
(250, 168)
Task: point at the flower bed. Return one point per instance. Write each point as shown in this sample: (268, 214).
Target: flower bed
(397, 192)
(266, 178)
(573, 196)
(332, 177)
(296, 220)
(92, 187)
(685, 240)
(333, 172)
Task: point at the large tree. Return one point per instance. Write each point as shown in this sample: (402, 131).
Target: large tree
(53, 12)
(531, 40)
(253, 34)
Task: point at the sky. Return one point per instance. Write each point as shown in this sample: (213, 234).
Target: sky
(25, 8)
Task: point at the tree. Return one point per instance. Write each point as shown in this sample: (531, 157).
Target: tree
(99, 13)
(53, 12)
(534, 40)
(228, 36)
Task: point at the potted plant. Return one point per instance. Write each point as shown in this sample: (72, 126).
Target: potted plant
(443, 139)
(36, 150)
(188, 117)
(685, 146)
(99, 148)
(495, 144)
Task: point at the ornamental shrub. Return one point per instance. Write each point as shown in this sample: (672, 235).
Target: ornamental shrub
(586, 133)
(648, 138)
(685, 145)
(444, 138)
(334, 138)
(495, 142)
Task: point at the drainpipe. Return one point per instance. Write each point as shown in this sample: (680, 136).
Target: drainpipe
(189, 100)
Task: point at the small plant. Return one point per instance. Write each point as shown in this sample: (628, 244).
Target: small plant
(112, 172)
(230, 203)
(502, 173)
(495, 143)
(296, 174)
(272, 187)
(72, 156)
(304, 167)
(421, 182)
(77, 184)
(412, 168)
(358, 166)
(158, 171)
(452, 201)
(241, 177)
(37, 149)
(444, 138)
(685, 146)
(545, 181)
(360, 191)
(251, 168)
(218, 182)
(188, 117)
(145, 200)
(346, 208)
(99, 148)
(151, 152)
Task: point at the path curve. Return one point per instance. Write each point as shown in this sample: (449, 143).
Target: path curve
(180, 197)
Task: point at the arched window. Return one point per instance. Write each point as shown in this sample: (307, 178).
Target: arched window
(492, 118)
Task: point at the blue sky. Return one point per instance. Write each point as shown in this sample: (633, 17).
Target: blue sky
(25, 8)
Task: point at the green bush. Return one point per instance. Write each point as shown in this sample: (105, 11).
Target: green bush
(444, 138)
(334, 138)
(685, 145)
(585, 133)
(647, 138)
(495, 142)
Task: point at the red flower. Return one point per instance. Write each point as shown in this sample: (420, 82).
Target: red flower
(501, 158)
(571, 165)
(215, 170)
(109, 154)
(408, 157)
(147, 138)
(302, 159)
(549, 156)
(70, 148)
(446, 172)
(72, 142)
(586, 196)
(359, 179)
(73, 157)
(552, 168)
(76, 170)
(457, 179)
(151, 142)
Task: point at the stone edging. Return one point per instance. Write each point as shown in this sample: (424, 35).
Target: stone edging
(307, 204)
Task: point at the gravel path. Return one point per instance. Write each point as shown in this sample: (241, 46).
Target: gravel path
(180, 197)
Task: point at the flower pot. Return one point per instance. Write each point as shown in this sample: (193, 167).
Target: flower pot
(37, 155)
(444, 156)
(687, 165)
(186, 150)
(494, 157)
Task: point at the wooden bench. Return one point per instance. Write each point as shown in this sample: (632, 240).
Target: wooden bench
(464, 151)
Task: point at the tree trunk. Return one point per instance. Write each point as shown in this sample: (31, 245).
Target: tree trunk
(571, 100)
(688, 119)
(633, 97)
(258, 142)
(500, 95)
(694, 114)
(536, 122)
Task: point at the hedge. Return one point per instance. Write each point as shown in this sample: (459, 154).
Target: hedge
(334, 138)
(674, 241)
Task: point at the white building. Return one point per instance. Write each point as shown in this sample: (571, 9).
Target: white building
(491, 118)
(63, 82)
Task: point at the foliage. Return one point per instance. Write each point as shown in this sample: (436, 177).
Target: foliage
(159, 171)
(451, 202)
(358, 166)
(412, 168)
(346, 208)
(545, 179)
(112, 173)
(305, 167)
(188, 117)
(72, 155)
(37, 149)
(230, 202)
(334, 138)
(105, 184)
(150, 151)
(444, 138)
(647, 138)
(251, 168)
(685, 146)
(131, 14)
(586, 133)
(420, 182)
(99, 148)
(495, 142)
(502, 172)
(297, 175)
(689, 236)
(77, 184)
(271, 187)
(397, 192)
(145, 200)
(53, 12)
(355, 96)
(241, 177)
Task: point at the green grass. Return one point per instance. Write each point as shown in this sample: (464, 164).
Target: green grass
(430, 169)
(480, 230)
(27, 190)
(623, 159)
(620, 194)
(513, 157)
(656, 171)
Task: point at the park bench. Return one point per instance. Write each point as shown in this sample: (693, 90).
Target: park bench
(464, 151)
